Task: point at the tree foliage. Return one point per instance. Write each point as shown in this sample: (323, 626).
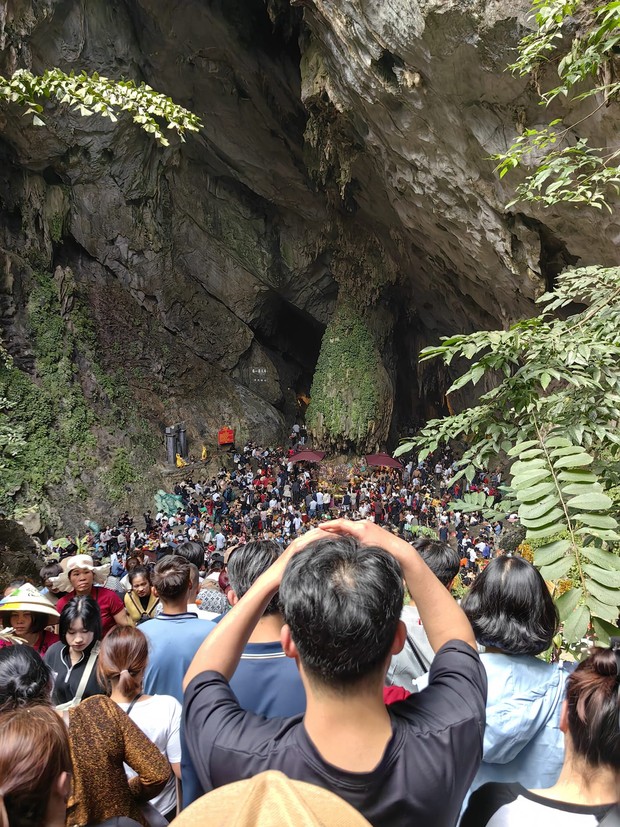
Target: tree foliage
(94, 94)
(578, 40)
(557, 371)
(560, 494)
(554, 404)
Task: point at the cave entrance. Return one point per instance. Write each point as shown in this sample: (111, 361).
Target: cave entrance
(293, 339)
(419, 388)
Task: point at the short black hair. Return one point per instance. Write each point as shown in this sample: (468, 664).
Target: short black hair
(443, 560)
(50, 570)
(510, 608)
(38, 623)
(24, 678)
(342, 603)
(84, 608)
(248, 562)
(193, 551)
(171, 577)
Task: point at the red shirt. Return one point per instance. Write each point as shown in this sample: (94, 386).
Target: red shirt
(109, 602)
(394, 694)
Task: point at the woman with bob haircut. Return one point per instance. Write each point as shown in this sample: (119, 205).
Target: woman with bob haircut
(514, 618)
(122, 663)
(76, 652)
(589, 783)
(102, 738)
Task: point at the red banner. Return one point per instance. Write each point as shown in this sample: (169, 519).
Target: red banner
(226, 436)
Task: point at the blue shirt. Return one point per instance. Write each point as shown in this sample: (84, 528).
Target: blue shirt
(522, 739)
(268, 683)
(173, 641)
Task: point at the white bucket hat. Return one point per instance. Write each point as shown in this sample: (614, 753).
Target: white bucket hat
(80, 561)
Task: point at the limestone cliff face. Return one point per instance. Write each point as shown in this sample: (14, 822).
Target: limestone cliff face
(344, 156)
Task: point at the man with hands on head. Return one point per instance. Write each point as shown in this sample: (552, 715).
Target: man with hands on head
(341, 594)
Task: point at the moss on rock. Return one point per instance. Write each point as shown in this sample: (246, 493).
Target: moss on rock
(350, 406)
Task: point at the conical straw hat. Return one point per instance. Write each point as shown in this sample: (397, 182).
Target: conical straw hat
(28, 599)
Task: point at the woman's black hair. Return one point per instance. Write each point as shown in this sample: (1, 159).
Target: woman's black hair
(39, 621)
(50, 570)
(593, 699)
(510, 608)
(139, 571)
(24, 677)
(84, 608)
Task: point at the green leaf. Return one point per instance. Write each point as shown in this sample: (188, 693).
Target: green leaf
(519, 468)
(556, 516)
(602, 593)
(604, 576)
(603, 630)
(404, 448)
(597, 521)
(605, 559)
(602, 609)
(577, 476)
(581, 488)
(591, 502)
(554, 571)
(538, 509)
(568, 601)
(522, 446)
(529, 478)
(573, 461)
(567, 450)
(557, 442)
(551, 552)
(535, 492)
(531, 454)
(576, 624)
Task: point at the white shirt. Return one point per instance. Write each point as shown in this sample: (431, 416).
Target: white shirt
(159, 717)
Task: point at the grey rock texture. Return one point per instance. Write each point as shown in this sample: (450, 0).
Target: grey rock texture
(345, 154)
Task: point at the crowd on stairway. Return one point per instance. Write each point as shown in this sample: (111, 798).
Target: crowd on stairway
(280, 643)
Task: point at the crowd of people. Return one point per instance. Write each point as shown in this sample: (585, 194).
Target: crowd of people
(263, 494)
(285, 647)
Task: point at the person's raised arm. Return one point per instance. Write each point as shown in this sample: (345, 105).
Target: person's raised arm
(222, 649)
(442, 617)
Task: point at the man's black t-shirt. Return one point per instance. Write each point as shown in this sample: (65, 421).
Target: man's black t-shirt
(427, 767)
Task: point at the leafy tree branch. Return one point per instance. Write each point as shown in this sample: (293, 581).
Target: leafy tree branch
(579, 40)
(94, 94)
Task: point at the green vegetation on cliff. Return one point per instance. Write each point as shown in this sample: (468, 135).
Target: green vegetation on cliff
(48, 409)
(54, 412)
(345, 395)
